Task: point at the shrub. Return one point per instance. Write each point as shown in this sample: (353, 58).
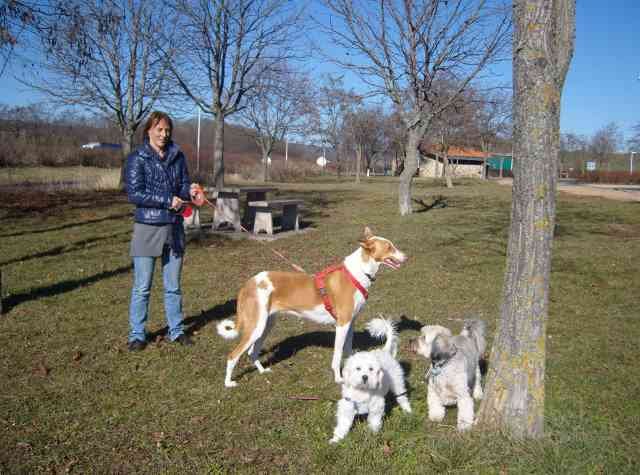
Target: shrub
(602, 176)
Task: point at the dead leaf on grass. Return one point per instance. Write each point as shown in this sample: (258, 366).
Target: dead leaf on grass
(77, 355)
(386, 449)
(198, 419)
(24, 446)
(69, 465)
(158, 438)
(41, 370)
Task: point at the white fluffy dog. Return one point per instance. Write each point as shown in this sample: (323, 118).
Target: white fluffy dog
(454, 375)
(367, 378)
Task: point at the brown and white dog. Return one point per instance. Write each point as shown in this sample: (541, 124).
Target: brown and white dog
(342, 296)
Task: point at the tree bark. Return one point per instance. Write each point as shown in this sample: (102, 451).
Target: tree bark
(217, 177)
(446, 170)
(266, 166)
(408, 172)
(542, 50)
(358, 162)
(127, 146)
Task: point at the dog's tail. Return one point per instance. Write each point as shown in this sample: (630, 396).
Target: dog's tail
(384, 328)
(227, 329)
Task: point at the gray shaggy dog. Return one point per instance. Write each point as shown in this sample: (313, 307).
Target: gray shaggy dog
(454, 375)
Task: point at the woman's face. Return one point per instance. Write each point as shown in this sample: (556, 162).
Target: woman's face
(159, 135)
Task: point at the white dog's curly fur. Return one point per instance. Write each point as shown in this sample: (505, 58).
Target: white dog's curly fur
(368, 377)
(454, 375)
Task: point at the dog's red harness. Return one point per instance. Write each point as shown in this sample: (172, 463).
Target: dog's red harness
(319, 281)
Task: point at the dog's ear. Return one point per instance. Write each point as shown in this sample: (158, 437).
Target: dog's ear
(346, 376)
(442, 348)
(379, 376)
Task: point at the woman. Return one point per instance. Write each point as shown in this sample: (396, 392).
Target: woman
(158, 184)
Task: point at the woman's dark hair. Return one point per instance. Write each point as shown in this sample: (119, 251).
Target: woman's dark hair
(154, 118)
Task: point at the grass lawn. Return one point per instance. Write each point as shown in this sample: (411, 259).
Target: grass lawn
(73, 399)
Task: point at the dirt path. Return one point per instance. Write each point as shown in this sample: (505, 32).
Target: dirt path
(612, 192)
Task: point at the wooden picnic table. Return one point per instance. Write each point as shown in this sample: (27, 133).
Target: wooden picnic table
(228, 205)
(253, 194)
(257, 213)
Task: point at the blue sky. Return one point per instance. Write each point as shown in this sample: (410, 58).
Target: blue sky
(602, 85)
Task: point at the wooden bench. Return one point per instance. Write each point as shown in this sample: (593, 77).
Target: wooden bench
(263, 212)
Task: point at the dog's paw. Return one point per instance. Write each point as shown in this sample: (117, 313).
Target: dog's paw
(334, 440)
(375, 427)
(230, 384)
(338, 379)
(478, 395)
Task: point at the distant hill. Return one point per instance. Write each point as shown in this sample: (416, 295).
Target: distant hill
(32, 136)
(240, 148)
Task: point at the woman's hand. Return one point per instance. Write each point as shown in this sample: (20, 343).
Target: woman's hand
(176, 203)
(197, 194)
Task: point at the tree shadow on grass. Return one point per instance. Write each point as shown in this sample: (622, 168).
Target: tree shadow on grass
(439, 201)
(69, 225)
(195, 323)
(59, 250)
(60, 288)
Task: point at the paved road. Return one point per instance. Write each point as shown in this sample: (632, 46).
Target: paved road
(613, 192)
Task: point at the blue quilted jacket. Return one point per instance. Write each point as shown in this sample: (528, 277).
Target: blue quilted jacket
(151, 185)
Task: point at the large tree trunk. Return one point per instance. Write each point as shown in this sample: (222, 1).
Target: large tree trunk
(408, 172)
(358, 162)
(265, 164)
(217, 177)
(543, 47)
(127, 146)
(446, 170)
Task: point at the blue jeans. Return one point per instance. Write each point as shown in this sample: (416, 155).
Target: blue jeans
(142, 278)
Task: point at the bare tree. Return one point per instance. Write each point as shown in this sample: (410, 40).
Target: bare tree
(227, 46)
(574, 149)
(605, 142)
(364, 130)
(396, 133)
(279, 105)
(492, 120)
(542, 51)
(403, 49)
(634, 141)
(17, 19)
(453, 127)
(104, 56)
(334, 102)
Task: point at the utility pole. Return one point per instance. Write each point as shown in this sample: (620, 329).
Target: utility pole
(324, 160)
(286, 151)
(631, 162)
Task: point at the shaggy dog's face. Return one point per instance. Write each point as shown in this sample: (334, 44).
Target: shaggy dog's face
(422, 345)
(362, 371)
